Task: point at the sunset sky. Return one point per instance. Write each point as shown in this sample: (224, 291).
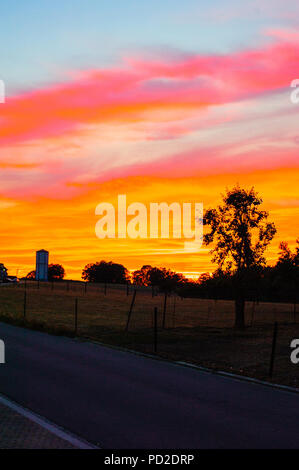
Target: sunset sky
(161, 100)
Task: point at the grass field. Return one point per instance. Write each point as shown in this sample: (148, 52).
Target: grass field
(196, 330)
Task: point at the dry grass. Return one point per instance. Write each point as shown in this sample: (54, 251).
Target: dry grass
(197, 330)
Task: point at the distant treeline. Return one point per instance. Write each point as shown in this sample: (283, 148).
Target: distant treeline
(238, 232)
(277, 283)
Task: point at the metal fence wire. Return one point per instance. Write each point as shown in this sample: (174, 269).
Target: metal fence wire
(193, 330)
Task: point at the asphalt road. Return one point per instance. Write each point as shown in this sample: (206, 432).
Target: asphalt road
(121, 400)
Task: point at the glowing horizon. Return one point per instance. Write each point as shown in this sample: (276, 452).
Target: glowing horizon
(159, 125)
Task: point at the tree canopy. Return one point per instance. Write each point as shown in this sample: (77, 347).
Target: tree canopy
(240, 233)
(239, 230)
(163, 278)
(56, 272)
(106, 272)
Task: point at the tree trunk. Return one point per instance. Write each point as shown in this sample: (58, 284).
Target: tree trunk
(240, 312)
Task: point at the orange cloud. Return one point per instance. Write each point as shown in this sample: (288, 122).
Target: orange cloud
(179, 130)
(67, 228)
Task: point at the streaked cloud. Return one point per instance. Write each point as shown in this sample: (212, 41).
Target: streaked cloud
(175, 129)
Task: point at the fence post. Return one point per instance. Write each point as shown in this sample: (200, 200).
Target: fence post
(131, 309)
(76, 317)
(252, 312)
(25, 304)
(164, 311)
(274, 340)
(155, 329)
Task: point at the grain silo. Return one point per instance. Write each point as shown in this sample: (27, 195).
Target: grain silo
(42, 263)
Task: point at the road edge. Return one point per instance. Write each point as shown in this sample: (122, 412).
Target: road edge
(191, 365)
(58, 431)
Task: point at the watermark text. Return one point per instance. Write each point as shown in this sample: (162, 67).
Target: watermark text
(2, 92)
(2, 352)
(295, 92)
(160, 220)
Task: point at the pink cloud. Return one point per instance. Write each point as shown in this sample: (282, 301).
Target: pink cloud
(133, 92)
(182, 117)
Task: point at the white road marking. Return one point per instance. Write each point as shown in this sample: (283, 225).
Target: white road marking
(43, 422)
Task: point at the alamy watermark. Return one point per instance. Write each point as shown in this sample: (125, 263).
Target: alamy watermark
(295, 92)
(295, 352)
(2, 352)
(160, 220)
(2, 91)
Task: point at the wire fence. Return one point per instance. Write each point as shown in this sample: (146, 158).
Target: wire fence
(192, 330)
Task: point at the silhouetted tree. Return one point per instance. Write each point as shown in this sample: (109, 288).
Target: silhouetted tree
(287, 259)
(141, 277)
(285, 275)
(165, 279)
(56, 272)
(204, 277)
(30, 275)
(170, 280)
(240, 233)
(157, 276)
(111, 273)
